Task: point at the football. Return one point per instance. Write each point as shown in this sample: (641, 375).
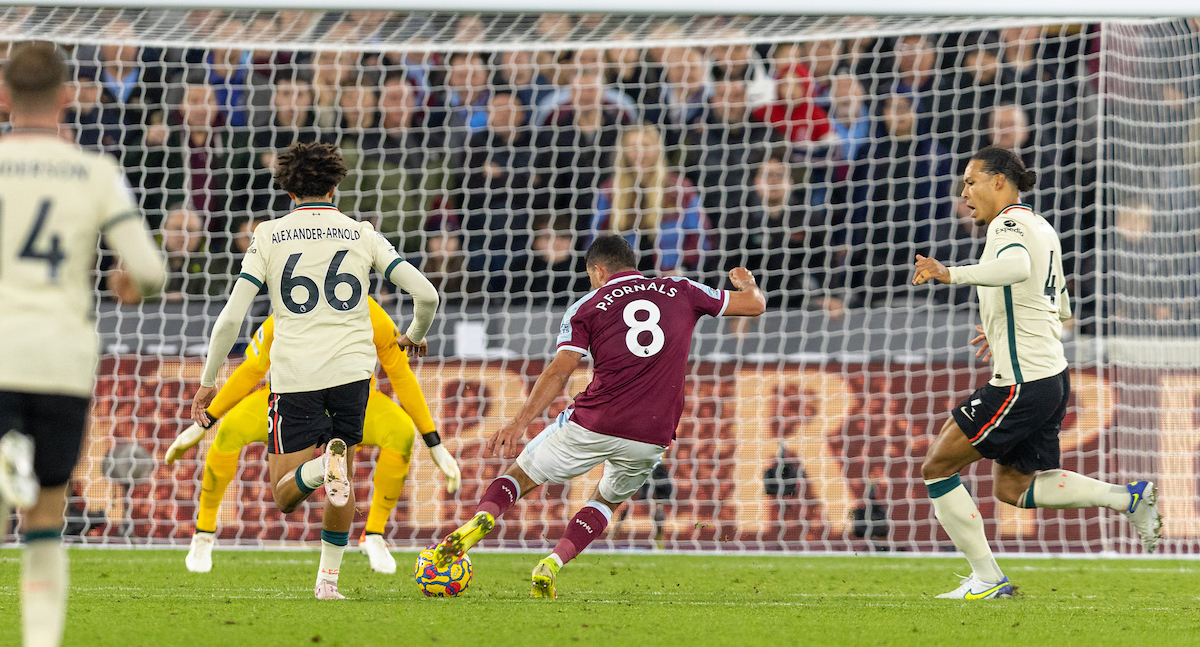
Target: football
(449, 582)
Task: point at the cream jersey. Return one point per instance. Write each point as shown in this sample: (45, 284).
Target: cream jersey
(1022, 319)
(315, 263)
(55, 201)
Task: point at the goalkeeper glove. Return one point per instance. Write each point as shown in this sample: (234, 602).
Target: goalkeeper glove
(444, 461)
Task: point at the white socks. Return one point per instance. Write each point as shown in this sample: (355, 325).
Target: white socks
(1063, 489)
(961, 518)
(311, 475)
(44, 583)
(331, 561)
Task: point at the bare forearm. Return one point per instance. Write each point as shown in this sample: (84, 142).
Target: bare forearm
(548, 387)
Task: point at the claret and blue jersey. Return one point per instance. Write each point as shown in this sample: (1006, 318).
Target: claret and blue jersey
(638, 331)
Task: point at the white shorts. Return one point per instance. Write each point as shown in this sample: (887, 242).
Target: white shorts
(564, 450)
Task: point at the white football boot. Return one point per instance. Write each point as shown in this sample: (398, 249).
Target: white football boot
(376, 550)
(1143, 513)
(18, 485)
(199, 557)
(973, 588)
(327, 590)
(337, 480)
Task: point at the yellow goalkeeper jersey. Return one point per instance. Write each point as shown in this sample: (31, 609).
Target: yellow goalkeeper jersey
(393, 358)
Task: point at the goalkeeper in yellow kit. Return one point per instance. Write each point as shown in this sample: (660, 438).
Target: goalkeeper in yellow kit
(391, 427)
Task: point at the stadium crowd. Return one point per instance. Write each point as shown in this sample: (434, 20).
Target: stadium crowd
(823, 166)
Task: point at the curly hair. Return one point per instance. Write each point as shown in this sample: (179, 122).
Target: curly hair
(310, 170)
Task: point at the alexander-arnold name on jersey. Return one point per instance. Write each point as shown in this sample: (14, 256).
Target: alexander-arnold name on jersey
(314, 233)
(633, 289)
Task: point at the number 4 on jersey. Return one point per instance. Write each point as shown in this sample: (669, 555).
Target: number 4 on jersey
(1050, 289)
(33, 249)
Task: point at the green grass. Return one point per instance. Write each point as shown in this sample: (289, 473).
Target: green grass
(144, 597)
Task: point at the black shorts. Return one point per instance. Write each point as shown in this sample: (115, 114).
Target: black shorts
(297, 421)
(56, 423)
(1017, 425)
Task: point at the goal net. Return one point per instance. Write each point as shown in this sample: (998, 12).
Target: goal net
(822, 152)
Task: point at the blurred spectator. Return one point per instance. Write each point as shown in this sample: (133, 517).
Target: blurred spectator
(443, 264)
(786, 248)
(916, 77)
(291, 122)
(201, 166)
(822, 57)
(551, 272)
(574, 151)
(794, 114)
(739, 62)
(189, 258)
(518, 73)
(551, 28)
(331, 70)
(686, 91)
(243, 95)
(395, 174)
(900, 189)
(628, 74)
(498, 187)
(83, 115)
(467, 89)
(964, 108)
(722, 151)
(265, 62)
(657, 211)
(849, 115)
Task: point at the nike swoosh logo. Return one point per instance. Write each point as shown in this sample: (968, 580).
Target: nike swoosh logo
(1133, 506)
(969, 414)
(984, 594)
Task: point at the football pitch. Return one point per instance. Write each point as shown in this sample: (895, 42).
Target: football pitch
(147, 597)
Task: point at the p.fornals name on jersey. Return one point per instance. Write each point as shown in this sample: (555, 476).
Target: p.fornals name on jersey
(626, 290)
(315, 233)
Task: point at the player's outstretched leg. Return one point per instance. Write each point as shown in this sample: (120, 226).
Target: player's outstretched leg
(219, 469)
(500, 495)
(587, 524)
(1138, 501)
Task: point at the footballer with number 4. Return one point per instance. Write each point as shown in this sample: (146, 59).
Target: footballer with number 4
(638, 331)
(56, 200)
(315, 262)
(1016, 417)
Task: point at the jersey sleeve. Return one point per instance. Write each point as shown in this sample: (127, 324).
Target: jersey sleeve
(573, 334)
(384, 257)
(395, 363)
(116, 200)
(706, 300)
(254, 264)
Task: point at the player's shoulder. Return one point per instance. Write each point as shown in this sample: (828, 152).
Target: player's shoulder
(575, 308)
(687, 283)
